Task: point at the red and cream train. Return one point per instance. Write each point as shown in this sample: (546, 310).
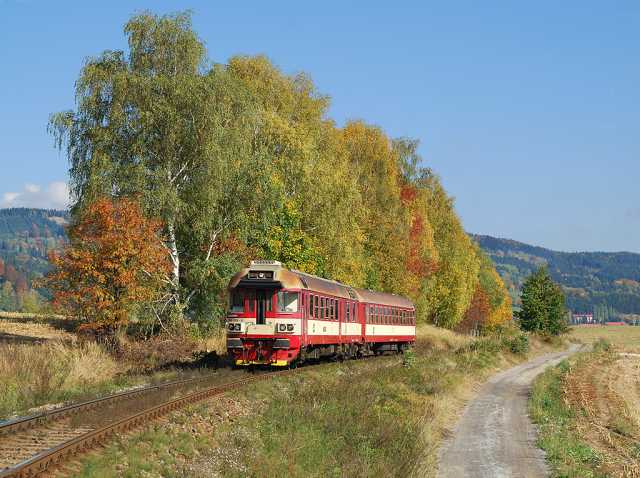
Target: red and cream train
(283, 317)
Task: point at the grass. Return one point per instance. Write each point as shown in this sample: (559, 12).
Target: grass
(378, 417)
(586, 428)
(32, 375)
(35, 375)
(626, 336)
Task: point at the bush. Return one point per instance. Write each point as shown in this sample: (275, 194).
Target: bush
(518, 344)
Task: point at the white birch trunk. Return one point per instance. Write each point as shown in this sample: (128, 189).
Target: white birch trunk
(175, 261)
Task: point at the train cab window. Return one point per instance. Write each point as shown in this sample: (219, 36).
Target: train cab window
(237, 301)
(288, 301)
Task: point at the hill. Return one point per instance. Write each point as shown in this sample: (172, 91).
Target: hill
(26, 237)
(591, 280)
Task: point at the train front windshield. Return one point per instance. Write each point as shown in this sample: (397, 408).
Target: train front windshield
(252, 303)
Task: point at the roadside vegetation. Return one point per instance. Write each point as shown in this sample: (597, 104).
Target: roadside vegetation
(374, 417)
(587, 411)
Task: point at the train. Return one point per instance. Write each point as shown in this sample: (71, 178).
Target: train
(282, 317)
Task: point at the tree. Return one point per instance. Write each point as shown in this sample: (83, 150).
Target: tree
(112, 268)
(7, 297)
(543, 305)
(241, 160)
(159, 123)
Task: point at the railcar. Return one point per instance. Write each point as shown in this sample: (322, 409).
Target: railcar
(282, 317)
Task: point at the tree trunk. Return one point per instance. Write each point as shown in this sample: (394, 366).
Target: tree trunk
(175, 261)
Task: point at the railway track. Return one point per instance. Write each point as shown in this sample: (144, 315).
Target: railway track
(32, 445)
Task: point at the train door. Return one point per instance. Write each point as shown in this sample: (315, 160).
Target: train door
(306, 307)
(340, 318)
(263, 304)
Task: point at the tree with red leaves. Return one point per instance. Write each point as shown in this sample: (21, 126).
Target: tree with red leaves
(114, 265)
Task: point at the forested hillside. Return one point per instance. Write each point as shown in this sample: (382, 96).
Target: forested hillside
(590, 279)
(26, 237)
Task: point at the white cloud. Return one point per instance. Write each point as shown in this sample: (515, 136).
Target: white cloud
(54, 196)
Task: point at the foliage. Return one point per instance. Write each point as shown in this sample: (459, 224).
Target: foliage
(518, 344)
(543, 310)
(113, 265)
(241, 161)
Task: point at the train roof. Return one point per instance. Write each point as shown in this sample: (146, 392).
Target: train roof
(275, 275)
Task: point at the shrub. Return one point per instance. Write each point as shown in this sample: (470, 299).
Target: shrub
(518, 344)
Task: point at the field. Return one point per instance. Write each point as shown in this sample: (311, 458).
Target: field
(625, 336)
(587, 408)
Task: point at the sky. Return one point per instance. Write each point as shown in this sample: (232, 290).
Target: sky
(528, 111)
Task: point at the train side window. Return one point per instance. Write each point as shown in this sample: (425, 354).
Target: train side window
(287, 301)
(336, 309)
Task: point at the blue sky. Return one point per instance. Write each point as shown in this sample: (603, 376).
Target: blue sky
(529, 111)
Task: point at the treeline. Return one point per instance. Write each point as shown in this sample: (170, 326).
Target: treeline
(241, 161)
(26, 238)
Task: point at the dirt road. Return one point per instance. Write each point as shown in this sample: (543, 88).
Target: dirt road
(494, 437)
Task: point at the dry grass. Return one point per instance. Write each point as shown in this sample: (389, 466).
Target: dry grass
(588, 413)
(34, 330)
(624, 336)
(32, 375)
(29, 316)
(216, 343)
(441, 339)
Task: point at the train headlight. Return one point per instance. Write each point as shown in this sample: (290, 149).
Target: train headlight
(234, 327)
(289, 327)
(282, 327)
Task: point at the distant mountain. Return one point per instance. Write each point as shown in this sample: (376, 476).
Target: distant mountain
(591, 280)
(26, 237)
